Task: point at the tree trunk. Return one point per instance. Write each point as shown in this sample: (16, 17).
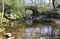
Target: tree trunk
(53, 4)
(2, 10)
(49, 2)
(44, 3)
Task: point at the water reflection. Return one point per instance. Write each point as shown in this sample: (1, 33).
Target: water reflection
(28, 32)
(56, 32)
(34, 32)
(38, 32)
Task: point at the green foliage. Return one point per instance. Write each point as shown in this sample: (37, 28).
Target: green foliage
(18, 7)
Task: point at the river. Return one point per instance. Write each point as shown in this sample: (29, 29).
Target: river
(38, 31)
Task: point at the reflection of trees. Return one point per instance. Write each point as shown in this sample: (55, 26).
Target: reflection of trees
(42, 31)
(55, 27)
